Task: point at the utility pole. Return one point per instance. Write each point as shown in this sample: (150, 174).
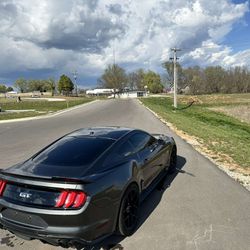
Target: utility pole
(75, 77)
(175, 75)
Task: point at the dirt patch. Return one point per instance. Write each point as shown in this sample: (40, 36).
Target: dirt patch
(241, 112)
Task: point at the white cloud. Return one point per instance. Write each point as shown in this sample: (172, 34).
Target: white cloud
(210, 54)
(61, 35)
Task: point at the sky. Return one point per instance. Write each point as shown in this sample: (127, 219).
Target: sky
(47, 38)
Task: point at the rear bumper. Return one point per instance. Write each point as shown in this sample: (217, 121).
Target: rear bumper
(64, 236)
(85, 227)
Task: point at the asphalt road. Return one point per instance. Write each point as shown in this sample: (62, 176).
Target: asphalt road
(198, 208)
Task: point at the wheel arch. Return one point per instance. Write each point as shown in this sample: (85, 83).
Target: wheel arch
(134, 177)
(120, 203)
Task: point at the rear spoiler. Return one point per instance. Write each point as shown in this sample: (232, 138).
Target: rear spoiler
(83, 180)
(58, 179)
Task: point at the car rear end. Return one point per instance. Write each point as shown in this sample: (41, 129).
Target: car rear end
(57, 212)
(60, 195)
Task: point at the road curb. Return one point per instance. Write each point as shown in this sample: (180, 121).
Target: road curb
(238, 177)
(48, 115)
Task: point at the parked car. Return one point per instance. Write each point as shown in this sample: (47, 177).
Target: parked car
(84, 186)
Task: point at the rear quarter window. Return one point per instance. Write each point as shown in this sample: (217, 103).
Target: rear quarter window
(140, 140)
(120, 152)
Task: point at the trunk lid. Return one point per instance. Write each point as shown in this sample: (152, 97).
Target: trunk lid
(22, 194)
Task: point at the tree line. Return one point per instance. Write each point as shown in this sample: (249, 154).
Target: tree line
(42, 85)
(212, 79)
(5, 89)
(63, 86)
(191, 80)
(115, 77)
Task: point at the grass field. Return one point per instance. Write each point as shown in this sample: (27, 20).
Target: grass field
(41, 107)
(225, 137)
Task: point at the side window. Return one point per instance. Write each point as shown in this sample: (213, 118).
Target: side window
(125, 149)
(120, 152)
(140, 141)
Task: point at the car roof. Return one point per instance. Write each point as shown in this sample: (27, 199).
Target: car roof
(114, 133)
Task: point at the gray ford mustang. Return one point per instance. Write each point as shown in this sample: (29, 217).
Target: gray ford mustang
(84, 186)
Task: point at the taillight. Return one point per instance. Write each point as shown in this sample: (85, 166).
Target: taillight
(61, 199)
(2, 186)
(71, 199)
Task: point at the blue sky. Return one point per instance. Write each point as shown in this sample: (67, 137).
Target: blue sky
(239, 37)
(55, 37)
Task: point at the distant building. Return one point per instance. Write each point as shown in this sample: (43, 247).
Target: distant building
(126, 93)
(100, 92)
(11, 94)
(133, 94)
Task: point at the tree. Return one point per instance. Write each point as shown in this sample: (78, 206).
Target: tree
(240, 80)
(114, 77)
(136, 79)
(131, 81)
(169, 67)
(3, 88)
(214, 77)
(65, 85)
(194, 79)
(51, 85)
(153, 81)
(10, 89)
(41, 85)
(34, 85)
(31, 85)
(21, 85)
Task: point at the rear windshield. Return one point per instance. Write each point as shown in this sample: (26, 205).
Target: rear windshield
(72, 151)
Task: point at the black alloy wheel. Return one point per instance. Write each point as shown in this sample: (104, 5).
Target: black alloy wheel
(129, 211)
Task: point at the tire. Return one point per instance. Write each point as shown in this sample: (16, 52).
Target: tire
(173, 161)
(129, 211)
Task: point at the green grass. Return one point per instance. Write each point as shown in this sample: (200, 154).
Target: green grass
(39, 105)
(218, 132)
(8, 116)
